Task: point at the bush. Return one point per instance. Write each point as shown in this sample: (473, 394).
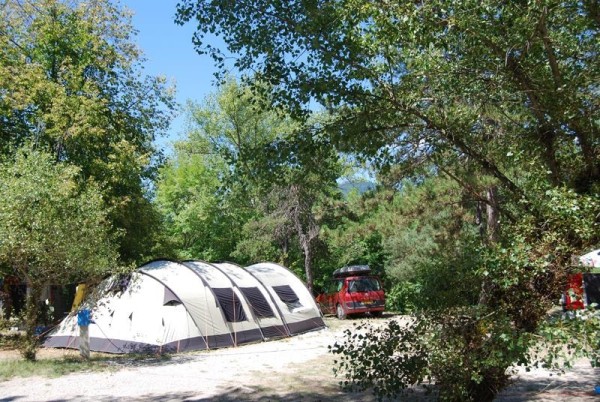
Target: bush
(403, 297)
(388, 359)
(463, 354)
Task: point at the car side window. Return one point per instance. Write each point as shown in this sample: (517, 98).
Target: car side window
(335, 286)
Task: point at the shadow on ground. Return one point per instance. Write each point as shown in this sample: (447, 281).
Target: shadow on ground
(242, 393)
(577, 384)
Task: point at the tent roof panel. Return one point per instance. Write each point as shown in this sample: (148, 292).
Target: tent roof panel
(188, 286)
(211, 274)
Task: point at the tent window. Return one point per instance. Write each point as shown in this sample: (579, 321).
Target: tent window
(288, 296)
(230, 304)
(170, 299)
(257, 301)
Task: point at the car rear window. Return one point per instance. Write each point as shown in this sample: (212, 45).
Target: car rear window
(367, 284)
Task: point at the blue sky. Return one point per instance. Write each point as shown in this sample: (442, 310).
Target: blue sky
(169, 51)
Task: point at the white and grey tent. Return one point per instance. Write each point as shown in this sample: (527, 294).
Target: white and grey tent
(168, 306)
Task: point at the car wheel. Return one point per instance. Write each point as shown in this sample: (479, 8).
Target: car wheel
(341, 314)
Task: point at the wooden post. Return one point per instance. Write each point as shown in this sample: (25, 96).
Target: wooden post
(84, 341)
(84, 320)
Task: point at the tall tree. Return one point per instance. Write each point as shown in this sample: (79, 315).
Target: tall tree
(209, 187)
(237, 169)
(478, 77)
(188, 195)
(71, 81)
(299, 178)
(54, 230)
(495, 94)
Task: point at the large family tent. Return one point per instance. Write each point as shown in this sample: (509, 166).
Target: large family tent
(168, 306)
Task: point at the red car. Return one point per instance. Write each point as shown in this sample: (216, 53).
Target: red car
(583, 290)
(353, 291)
(573, 297)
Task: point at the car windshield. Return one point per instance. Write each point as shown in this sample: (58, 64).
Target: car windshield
(363, 285)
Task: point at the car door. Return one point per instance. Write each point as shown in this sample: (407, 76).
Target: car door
(333, 294)
(323, 299)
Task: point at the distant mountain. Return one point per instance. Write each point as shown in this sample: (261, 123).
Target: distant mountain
(361, 186)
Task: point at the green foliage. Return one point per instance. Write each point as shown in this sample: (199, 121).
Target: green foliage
(53, 368)
(404, 297)
(422, 236)
(481, 346)
(198, 226)
(53, 228)
(242, 186)
(426, 350)
(565, 337)
(208, 192)
(8, 340)
(387, 359)
(452, 351)
(265, 239)
(351, 242)
(444, 79)
(533, 262)
(45, 213)
(72, 83)
(501, 97)
(571, 217)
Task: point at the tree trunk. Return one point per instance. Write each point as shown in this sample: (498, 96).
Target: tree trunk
(308, 265)
(493, 215)
(492, 231)
(306, 227)
(32, 307)
(479, 221)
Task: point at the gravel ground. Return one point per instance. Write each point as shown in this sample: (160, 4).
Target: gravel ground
(296, 368)
(292, 369)
(578, 384)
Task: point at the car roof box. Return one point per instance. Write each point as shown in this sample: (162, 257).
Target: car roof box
(351, 270)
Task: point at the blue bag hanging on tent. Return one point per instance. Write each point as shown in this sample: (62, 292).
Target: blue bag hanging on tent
(84, 317)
